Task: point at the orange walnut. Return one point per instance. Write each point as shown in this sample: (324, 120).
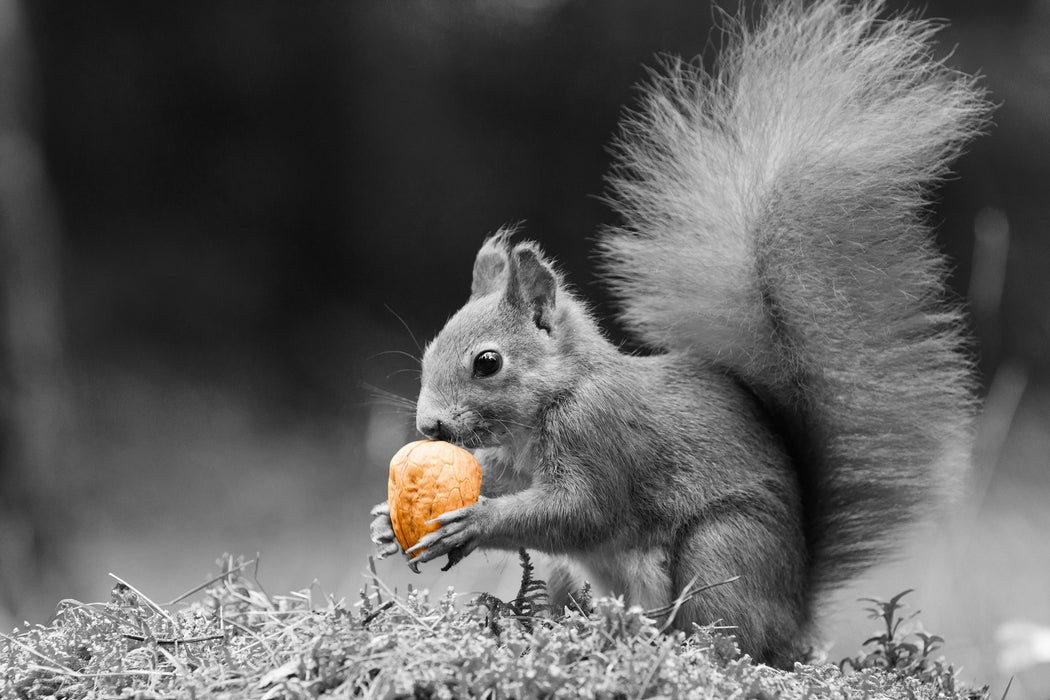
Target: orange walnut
(428, 478)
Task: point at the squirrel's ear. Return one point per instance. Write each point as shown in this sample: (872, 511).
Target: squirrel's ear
(490, 266)
(531, 284)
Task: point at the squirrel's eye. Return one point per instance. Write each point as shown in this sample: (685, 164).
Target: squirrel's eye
(487, 363)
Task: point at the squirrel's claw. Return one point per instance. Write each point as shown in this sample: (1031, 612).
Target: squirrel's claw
(457, 537)
(454, 557)
(386, 549)
(382, 531)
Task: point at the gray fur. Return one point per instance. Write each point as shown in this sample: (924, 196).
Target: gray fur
(791, 187)
(811, 394)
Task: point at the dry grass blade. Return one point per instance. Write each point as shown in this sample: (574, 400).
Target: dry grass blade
(175, 640)
(145, 598)
(262, 643)
(401, 605)
(53, 665)
(148, 672)
(688, 593)
(375, 578)
(376, 613)
(198, 589)
(1007, 690)
(653, 671)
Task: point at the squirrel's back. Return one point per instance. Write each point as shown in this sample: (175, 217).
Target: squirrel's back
(773, 224)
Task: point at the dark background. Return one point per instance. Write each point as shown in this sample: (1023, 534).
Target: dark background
(221, 216)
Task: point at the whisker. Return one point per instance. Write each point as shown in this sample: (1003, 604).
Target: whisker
(395, 352)
(391, 410)
(403, 370)
(402, 415)
(506, 421)
(410, 333)
(389, 397)
(503, 464)
(400, 408)
(393, 400)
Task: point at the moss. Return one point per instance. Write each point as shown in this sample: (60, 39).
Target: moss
(237, 641)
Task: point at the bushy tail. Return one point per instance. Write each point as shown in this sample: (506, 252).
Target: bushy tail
(773, 224)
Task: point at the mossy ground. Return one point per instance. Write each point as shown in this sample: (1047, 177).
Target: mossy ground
(235, 640)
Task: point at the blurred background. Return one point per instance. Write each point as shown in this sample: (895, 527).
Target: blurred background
(223, 225)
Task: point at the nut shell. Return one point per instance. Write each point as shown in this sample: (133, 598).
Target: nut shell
(428, 478)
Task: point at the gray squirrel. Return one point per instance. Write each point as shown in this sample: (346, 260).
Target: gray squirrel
(809, 393)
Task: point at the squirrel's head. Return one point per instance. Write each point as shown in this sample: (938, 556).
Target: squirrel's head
(499, 360)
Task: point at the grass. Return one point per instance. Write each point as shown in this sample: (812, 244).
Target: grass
(236, 640)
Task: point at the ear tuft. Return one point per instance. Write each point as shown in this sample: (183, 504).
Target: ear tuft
(532, 284)
(490, 265)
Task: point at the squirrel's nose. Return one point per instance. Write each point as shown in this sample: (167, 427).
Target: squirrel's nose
(434, 429)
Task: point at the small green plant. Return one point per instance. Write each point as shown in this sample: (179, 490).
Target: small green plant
(906, 652)
(890, 649)
(530, 602)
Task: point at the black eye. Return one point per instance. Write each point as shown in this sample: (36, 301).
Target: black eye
(487, 363)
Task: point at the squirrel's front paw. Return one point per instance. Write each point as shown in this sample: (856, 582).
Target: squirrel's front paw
(459, 535)
(382, 531)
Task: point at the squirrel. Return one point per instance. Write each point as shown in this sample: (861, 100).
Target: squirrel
(807, 391)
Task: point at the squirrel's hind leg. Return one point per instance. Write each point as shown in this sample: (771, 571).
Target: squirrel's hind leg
(766, 605)
(639, 574)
